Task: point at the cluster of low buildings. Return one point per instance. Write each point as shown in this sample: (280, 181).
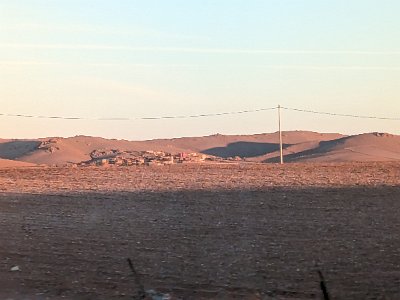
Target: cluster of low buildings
(137, 158)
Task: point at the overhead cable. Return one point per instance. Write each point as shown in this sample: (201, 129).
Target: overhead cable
(205, 115)
(339, 114)
(140, 118)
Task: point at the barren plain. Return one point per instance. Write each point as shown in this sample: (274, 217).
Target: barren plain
(239, 231)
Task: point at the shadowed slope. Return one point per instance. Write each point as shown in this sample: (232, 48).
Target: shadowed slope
(301, 146)
(363, 147)
(244, 149)
(60, 151)
(17, 148)
(201, 144)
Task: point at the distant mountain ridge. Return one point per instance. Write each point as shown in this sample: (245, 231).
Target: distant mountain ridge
(299, 146)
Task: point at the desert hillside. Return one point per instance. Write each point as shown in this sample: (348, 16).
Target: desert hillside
(364, 147)
(299, 146)
(8, 163)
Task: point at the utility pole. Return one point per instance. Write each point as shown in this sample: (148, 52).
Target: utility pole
(280, 134)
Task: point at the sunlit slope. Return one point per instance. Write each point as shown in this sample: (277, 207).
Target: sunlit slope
(60, 151)
(8, 163)
(299, 146)
(363, 147)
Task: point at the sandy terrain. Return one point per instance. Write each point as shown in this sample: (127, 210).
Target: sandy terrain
(61, 151)
(363, 147)
(8, 163)
(299, 146)
(201, 232)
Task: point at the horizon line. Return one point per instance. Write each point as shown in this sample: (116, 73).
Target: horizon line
(343, 135)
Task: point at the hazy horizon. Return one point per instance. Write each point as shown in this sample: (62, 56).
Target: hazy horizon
(134, 59)
(190, 136)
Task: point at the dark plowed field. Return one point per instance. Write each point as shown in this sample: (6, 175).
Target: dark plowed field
(201, 232)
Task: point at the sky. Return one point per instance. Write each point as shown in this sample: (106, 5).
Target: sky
(136, 59)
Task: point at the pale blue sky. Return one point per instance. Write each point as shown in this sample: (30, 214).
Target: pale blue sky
(95, 58)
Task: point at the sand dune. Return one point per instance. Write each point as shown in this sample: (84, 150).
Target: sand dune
(201, 144)
(61, 151)
(8, 163)
(299, 146)
(363, 147)
(13, 149)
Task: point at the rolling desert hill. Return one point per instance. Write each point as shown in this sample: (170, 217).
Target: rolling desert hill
(363, 147)
(8, 163)
(250, 145)
(299, 146)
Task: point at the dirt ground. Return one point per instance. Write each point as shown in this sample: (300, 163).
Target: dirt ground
(201, 231)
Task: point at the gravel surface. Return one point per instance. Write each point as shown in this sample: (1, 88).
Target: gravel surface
(201, 231)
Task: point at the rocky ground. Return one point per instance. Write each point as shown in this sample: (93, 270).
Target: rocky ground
(201, 231)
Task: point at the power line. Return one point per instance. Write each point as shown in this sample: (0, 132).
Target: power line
(202, 115)
(340, 115)
(141, 118)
